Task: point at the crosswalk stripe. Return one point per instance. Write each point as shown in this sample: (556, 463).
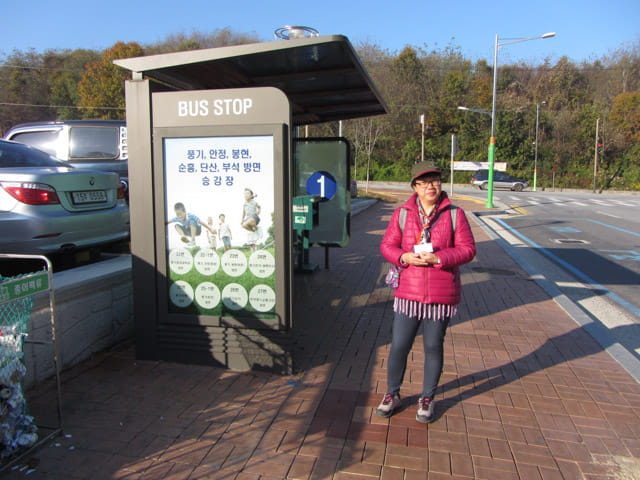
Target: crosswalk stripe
(519, 200)
(620, 202)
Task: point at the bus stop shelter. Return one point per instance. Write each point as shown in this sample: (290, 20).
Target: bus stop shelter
(222, 104)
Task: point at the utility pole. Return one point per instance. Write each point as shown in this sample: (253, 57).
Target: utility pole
(595, 163)
(535, 161)
(422, 152)
(454, 150)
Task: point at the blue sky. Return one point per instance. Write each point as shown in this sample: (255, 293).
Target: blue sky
(586, 29)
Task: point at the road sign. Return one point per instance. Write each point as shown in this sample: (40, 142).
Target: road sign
(472, 166)
(322, 184)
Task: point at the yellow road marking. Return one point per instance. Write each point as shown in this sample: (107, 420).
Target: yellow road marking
(466, 197)
(520, 210)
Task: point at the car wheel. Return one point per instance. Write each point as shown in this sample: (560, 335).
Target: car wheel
(483, 186)
(517, 187)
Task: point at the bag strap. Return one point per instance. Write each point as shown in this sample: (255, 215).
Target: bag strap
(402, 220)
(454, 216)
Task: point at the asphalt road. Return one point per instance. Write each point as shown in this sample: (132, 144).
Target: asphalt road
(594, 237)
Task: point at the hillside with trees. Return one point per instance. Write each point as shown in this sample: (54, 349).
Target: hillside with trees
(415, 81)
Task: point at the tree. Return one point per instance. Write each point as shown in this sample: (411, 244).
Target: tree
(365, 134)
(480, 88)
(101, 89)
(66, 70)
(625, 116)
(220, 37)
(25, 93)
(413, 81)
(564, 85)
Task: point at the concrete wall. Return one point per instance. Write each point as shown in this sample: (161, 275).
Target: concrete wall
(93, 311)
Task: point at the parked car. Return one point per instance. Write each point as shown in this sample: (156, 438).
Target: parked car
(47, 206)
(88, 144)
(500, 180)
(353, 188)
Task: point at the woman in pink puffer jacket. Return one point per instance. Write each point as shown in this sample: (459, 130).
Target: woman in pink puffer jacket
(429, 251)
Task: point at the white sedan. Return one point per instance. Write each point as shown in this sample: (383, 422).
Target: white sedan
(47, 206)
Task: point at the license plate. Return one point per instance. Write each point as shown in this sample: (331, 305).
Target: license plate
(92, 196)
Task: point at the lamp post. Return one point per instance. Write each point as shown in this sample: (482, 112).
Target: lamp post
(492, 139)
(476, 110)
(535, 161)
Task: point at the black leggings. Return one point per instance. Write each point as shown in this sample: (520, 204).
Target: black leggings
(405, 329)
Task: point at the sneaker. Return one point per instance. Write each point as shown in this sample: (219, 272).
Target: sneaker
(425, 410)
(192, 243)
(184, 239)
(388, 405)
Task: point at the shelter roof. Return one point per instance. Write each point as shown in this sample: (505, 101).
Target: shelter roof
(323, 77)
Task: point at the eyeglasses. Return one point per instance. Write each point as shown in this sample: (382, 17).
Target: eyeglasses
(434, 181)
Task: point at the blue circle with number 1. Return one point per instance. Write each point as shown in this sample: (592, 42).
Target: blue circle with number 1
(323, 184)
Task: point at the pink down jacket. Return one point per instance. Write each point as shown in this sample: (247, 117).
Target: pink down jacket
(437, 283)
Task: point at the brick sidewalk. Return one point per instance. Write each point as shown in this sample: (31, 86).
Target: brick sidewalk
(525, 393)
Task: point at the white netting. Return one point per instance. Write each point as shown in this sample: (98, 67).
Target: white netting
(17, 428)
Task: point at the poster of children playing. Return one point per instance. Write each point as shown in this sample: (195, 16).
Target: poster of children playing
(219, 205)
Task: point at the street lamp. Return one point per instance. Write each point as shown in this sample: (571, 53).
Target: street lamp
(535, 161)
(492, 140)
(476, 110)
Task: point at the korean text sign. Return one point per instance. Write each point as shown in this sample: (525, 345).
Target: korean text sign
(219, 206)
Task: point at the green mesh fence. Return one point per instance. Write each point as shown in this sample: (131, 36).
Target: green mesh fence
(17, 428)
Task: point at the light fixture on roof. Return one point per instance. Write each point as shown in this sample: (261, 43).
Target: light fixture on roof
(295, 32)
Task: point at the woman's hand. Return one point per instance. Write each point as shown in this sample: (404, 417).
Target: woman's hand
(422, 259)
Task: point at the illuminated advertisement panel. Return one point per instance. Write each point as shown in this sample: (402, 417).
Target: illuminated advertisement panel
(220, 240)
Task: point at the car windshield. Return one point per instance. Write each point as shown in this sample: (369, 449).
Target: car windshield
(15, 155)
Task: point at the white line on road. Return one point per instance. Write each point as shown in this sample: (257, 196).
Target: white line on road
(620, 202)
(568, 201)
(607, 214)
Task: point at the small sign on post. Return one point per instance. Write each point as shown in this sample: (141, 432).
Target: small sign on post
(24, 286)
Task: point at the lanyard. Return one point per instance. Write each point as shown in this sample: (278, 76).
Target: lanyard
(425, 232)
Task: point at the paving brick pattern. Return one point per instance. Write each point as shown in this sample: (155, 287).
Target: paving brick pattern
(525, 393)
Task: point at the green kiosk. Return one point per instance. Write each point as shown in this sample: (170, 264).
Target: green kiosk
(214, 168)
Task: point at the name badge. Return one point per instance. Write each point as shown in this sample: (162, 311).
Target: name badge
(423, 248)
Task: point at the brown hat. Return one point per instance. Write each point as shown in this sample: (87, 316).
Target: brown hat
(422, 168)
